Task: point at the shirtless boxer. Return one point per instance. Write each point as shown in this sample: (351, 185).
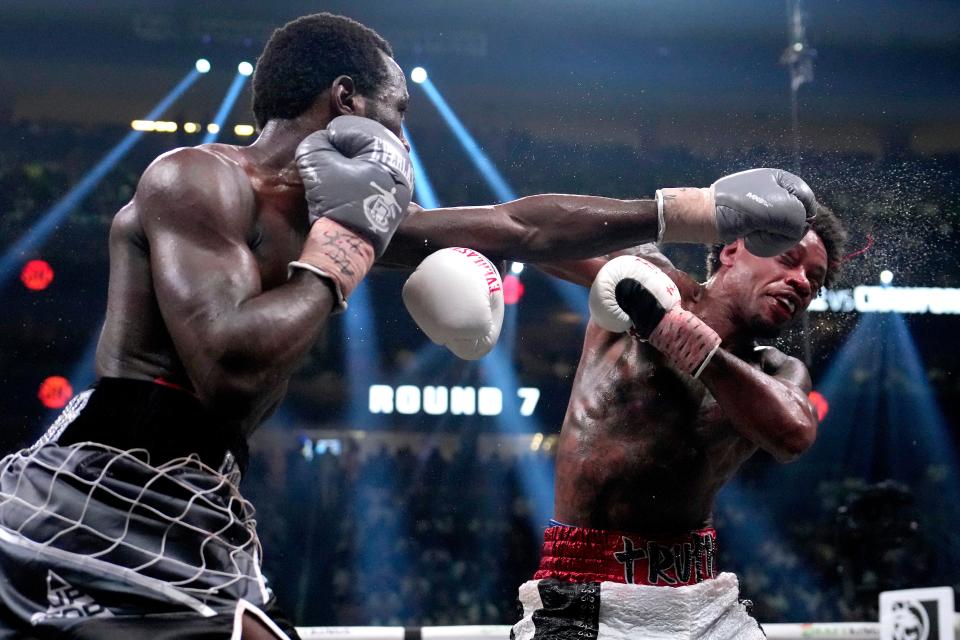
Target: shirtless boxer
(671, 396)
(124, 519)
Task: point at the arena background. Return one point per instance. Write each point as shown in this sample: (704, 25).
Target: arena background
(378, 502)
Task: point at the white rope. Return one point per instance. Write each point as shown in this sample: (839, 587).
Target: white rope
(789, 631)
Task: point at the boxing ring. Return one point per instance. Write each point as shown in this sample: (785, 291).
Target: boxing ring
(779, 631)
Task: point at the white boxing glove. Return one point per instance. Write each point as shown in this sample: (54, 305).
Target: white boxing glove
(456, 297)
(630, 293)
(604, 308)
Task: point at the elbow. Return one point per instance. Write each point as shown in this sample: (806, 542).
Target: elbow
(795, 441)
(231, 389)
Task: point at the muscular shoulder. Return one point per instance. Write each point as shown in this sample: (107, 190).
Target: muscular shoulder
(195, 186)
(778, 364)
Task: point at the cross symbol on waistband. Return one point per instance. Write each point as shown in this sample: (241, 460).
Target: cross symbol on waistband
(628, 557)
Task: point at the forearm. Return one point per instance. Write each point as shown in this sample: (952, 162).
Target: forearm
(531, 229)
(767, 411)
(259, 343)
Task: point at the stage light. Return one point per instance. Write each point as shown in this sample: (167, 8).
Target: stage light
(512, 289)
(36, 275)
(516, 268)
(886, 276)
(820, 404)
(203, 65)
(55, 392)
(418, 75)
(46, 223)
(191, 127)
(229, 98)
(244, 130)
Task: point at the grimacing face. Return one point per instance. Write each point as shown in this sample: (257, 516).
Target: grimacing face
(773, 292)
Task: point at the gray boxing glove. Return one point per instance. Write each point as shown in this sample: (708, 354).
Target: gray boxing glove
(769, 208)
(358, 174)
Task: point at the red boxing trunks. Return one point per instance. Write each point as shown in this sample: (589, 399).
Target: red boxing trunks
(582, 555)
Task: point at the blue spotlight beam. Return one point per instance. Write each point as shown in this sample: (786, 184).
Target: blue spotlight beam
(575, 297)
(229, 99)
(362, 351)
(423, 188)
(536, 478)
(493, 177)
(49, 220)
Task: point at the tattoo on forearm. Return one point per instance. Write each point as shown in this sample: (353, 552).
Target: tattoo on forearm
(340, 247)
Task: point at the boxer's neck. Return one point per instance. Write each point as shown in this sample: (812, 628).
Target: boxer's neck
(720, 312)
(277, 142)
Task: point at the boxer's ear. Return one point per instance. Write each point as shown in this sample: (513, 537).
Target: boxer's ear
(730, 251)
(344, 98)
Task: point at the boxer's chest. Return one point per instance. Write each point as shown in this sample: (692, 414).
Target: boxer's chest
(278, 236)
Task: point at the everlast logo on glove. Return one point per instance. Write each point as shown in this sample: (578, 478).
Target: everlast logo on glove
(395, 158)
(494, 283)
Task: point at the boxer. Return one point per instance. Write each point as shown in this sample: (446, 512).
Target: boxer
(672, 394)
(224, 268)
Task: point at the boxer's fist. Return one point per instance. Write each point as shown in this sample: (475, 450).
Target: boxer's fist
(631, 292)
(358, 174)
(456, 297)
(656, 295)
(769, 208)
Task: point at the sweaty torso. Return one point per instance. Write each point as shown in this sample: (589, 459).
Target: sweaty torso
(135, 342)
(643, 448)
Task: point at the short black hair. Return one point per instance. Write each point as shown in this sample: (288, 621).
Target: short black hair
(826, 225)
(303, 57)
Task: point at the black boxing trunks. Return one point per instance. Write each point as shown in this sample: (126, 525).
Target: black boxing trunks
(164, 419)
(606, 585)
(130, 533)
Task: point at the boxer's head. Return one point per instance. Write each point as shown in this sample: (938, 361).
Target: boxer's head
(330, 63)
(768, 293)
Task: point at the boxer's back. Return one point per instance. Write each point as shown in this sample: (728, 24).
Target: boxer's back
(136, 341)
(643, 449)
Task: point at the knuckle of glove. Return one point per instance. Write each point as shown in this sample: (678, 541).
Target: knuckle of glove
(456, 298)
(767, 245)
(604, 308)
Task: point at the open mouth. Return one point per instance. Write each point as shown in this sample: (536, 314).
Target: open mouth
(787, 304)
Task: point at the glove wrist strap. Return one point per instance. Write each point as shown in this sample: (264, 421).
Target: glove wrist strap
(687, 214)
(686, 340)
(334, 252)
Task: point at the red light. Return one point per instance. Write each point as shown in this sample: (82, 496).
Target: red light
(819, 403)
(55, 392)
(36, 275)
(512, 289)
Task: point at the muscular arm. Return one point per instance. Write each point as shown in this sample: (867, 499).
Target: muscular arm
(237, 342)
(531, 229)
(770, 407)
